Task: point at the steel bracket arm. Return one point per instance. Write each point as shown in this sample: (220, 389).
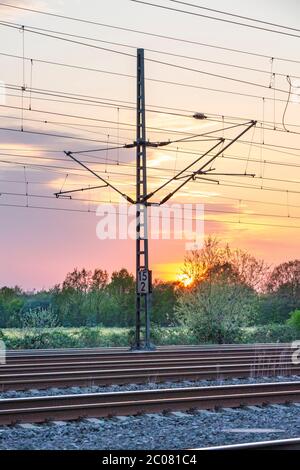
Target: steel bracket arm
(125, 196)
(90, 188)
(253, 123)
(200, 171)
(182, 171)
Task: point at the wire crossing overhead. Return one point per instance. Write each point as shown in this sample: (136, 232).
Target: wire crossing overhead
(235, 15)
(160, 62)
(192, 13)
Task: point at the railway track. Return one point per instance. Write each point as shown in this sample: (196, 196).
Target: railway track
(72, 407)
(25, 370)
(104, 354)
(62, 366)
(105, 349)
(99, 377)
(280, 444)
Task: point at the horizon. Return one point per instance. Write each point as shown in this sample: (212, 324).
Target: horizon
(176, 276)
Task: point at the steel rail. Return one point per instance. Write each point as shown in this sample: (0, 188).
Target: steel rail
(89, 355)
(161, 349)
(263, 360)
(69, 407)
(280, 444)
(97, 376)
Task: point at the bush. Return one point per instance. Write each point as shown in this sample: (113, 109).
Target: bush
(123, 337)
(131, 337)
(215, 312)
(39, 318)
(173, 336)
(36, 341)
(269, 334)
(294, 321)
(89, 337)
(273, 309)
(63, 339)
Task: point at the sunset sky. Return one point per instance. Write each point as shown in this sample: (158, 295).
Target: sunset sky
(42, 238)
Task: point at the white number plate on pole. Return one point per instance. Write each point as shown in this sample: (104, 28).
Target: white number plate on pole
(143, 282)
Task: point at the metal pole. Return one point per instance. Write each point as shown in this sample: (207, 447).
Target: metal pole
(142, 257)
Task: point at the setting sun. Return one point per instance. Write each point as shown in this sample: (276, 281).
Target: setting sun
(185, 280)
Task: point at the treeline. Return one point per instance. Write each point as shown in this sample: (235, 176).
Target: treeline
(85, 298)
(229, 290)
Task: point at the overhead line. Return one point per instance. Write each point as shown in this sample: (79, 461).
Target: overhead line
(214, 196)
(223, 77)
(177, 10)
(128, 124)
(154, 80)
(145, 33)
(116, 106)
(48, 134)
(155, 51)
(93, 201)
(235, 15)
(113, 162)
(132, 125)
(222, 183)
(239, 222)
(116, 162)
(52, 36)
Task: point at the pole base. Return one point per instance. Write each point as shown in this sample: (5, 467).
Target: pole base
(143, 348)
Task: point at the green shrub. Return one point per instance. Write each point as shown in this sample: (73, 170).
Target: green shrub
(294, 320)
(39, 318)
(89, 337)
(123, 337)
(118, 339)
(36, 341)
(62, 339)
(216, 312)
(269, 334)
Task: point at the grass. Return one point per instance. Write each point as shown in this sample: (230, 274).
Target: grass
(88, 337)
(114, 337)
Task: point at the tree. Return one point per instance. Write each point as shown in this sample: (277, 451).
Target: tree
(78, 301)
(11, 303)
(78, 280)
(272, 309)
(283, 288)
(198, 262)
(164, 299)
(213, 256)
(122, 288)
(295, 320)
(222, 297)
(122, 282)
(284, 282)
(251, 271)
(38, 319)
(217, 308)
(99, 280)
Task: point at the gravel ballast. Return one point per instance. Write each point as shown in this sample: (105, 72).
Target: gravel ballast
(160, 431)
(157, 431)
(144, 386)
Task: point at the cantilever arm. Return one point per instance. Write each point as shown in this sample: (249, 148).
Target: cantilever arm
(251, 175)
(128, 198)
(200, 171)
(90, 188)
(182, 171)
(253, 123)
